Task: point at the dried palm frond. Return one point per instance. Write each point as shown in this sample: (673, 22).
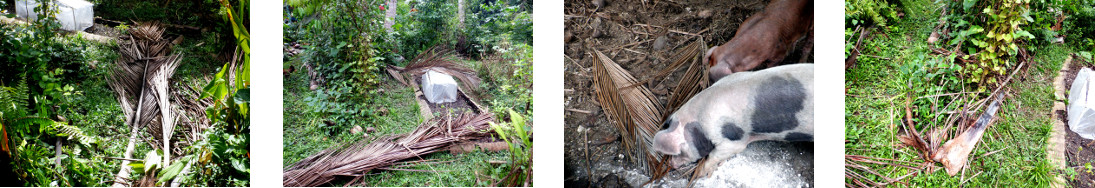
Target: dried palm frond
(694, 80)
(634, 110)
(955, 152)
(442, 60)
(854, 163)
(141, 79)
(355, 160)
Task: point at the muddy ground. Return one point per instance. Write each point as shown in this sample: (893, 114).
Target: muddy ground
(627, 31)
(1079, 151)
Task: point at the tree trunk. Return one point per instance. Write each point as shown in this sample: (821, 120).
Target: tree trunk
(460, 13)
(389, 16)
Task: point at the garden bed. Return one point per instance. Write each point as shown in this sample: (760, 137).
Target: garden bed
(1078, 151)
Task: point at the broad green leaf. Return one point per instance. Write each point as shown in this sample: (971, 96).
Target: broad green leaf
(151, 161)
(967, 4)
(217, 88)
(171, 171)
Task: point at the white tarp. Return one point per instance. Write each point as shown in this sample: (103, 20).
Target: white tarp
(438, 87)
(25, 9)
(74, 15)
(1081, 104)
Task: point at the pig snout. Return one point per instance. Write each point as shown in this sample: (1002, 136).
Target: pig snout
(678, 161)
(668, 143)
(707, 57)
(717, 68)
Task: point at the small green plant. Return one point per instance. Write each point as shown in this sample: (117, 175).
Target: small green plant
(1071, 172)
(122, 28)
(519, 140)
(1087, 166)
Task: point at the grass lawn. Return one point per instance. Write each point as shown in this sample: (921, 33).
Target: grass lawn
(305, 134)
(875, 104)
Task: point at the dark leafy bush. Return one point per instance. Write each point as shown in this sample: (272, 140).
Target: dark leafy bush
(490, 22)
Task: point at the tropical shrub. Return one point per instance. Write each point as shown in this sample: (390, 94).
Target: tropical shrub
(990, 33)
(492, 22)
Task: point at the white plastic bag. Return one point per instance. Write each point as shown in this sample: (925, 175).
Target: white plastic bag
(438, 87)
(74, 15)
(25, 9)
(1081, 104)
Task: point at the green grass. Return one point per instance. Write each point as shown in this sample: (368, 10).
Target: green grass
(876, 103)
(306, 134)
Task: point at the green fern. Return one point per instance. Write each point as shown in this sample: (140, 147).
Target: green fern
(14, 100)
(60, 129)
(75, 133)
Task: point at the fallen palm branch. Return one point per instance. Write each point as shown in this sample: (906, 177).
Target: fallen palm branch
(955, 152)
(633, 110)
(141, 79)
(441, 60)
(695, 79)
(854, 163)
(356, 160)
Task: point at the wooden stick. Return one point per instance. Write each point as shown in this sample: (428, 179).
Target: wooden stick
(579, 111)
(674, 31)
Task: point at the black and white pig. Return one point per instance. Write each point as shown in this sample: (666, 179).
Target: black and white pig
(770, 104)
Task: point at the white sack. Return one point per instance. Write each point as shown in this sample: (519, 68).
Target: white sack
(1081, 104)
(438, 87)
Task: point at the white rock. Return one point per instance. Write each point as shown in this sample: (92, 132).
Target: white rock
(438, 87)
(1081, 106)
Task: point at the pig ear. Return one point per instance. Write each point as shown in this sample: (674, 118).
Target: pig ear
(668, 143)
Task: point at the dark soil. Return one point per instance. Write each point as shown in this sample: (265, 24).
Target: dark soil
(461, 105)
(451, 108)
(628, 30)
(104, 30)
(1080, 152)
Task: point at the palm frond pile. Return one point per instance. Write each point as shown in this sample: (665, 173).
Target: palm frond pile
(356, 160)
(142, 79)
(634, 110)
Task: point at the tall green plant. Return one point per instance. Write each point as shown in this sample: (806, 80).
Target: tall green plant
(990, 29)
(225, 149)
(519, 139)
